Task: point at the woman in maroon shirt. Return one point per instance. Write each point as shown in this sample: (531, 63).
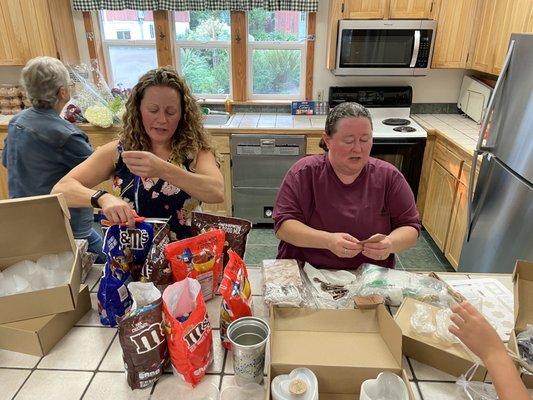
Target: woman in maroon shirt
(329, 203)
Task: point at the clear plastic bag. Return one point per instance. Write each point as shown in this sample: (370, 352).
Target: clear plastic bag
(525, 344)
(282, 283)
(395, 285)
(443, 322)
(475, 390)
(422, 320)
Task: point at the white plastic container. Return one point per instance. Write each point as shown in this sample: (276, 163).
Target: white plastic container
(300, 384)
(251, 391)
(386, 386)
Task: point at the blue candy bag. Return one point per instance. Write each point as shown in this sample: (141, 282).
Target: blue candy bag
(126, 250)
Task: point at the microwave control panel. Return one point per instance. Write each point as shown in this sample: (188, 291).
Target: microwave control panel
(424, 49)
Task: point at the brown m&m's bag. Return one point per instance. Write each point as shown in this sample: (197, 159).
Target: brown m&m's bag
(236, 230)
(156, 267)
(198, 257)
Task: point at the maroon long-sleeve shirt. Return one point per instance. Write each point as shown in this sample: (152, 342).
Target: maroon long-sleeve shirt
(378, 201)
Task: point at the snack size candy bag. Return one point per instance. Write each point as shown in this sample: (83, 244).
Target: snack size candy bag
(141, 336)
(198, 257)
(236, 230)
(189, 338)
(125, 249)
(236, 295)
(156, 268)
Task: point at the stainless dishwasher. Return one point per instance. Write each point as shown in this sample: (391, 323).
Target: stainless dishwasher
(259, 164)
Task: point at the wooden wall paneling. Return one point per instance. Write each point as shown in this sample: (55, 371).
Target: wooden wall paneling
(64, 31)
(94, 44)
(310, 55)
(239, 44)
(335, 14)
(164, 38)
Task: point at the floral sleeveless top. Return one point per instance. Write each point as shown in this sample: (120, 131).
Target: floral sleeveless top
(155, 198)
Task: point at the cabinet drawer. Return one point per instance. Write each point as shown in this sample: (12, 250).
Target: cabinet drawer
(448, 160)
(221, 143)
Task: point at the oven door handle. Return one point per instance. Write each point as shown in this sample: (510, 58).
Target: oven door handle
(416, 49)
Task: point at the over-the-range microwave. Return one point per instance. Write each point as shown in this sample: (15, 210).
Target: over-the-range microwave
(384, 47)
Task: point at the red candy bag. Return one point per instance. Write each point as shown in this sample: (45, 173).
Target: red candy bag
(198, 257)
(236, 295)
(189, 333)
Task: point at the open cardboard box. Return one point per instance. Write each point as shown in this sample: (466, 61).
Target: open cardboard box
(37, 336)
(523, 307)
(31, 228)
(342, 347)
(428, 349)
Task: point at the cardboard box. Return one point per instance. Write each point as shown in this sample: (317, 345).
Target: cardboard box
(451, 358)
(31, 228)
(523, 307)
(37, 336)
(342, 347)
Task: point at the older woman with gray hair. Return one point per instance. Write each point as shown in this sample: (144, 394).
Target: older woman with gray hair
(343, 208)
(41, 147)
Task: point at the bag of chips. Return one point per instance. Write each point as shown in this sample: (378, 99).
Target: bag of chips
(141, 336)
(156, 268)
(198, 257)
(126, 249)
(236, 295)
(189, 333)
(236, 230)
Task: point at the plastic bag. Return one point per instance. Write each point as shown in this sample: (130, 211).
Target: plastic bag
(422, 320)
(189, 333)
(141, 336)
(395, 285)
(282, 283)
(443, 323)
(199, 257)
(125, 249)
(475, 390)
(525, 344)
(236, 294)
(328, 288)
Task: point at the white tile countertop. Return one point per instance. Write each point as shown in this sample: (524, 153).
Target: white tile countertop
(87, 362)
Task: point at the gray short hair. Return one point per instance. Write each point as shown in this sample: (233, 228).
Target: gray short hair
(42, 77)
(343, 110)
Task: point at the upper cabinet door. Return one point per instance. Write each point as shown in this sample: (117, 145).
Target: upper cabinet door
(454, 31)
(515, 16)
(487, 28)
(365, 9)
(411, 9)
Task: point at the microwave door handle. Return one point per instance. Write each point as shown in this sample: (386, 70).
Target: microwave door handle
(416, 48)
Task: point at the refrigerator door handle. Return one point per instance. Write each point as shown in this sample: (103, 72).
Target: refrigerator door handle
(469, 211)
(490, 106)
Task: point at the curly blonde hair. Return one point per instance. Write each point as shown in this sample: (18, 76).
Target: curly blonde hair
(190, 136)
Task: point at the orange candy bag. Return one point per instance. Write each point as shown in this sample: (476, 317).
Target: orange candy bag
(198, 257)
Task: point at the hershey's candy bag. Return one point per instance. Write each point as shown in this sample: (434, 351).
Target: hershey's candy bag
(141, 336)
(236, 294)
(156, 268)
(125, 250)
(236, 230)
(198, 257)
(188, 330)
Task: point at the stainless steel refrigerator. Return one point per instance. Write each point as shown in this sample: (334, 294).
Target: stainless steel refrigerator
(500, 213)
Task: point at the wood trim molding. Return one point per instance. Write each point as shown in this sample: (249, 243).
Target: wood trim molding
(94, 44)
(310, 55)
(239, 44)
(164, 33)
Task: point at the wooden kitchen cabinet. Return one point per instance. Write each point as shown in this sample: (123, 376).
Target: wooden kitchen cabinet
(4, 194)
(410, 9)
(225, 207)
(365, 9)
(458, 224)
(441, 189)
(32, 28)
(454, 32)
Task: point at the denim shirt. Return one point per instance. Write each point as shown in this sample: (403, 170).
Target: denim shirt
(41, 148)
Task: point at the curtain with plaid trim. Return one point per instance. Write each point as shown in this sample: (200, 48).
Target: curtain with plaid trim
(197, 5)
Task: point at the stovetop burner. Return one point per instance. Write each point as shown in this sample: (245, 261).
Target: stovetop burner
(396, 121)
(404, 129)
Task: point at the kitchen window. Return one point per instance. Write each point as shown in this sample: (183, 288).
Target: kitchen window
(203, 51)
(129, 45)
(276, 54)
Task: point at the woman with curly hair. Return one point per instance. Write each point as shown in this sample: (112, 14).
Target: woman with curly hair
(162, 164)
